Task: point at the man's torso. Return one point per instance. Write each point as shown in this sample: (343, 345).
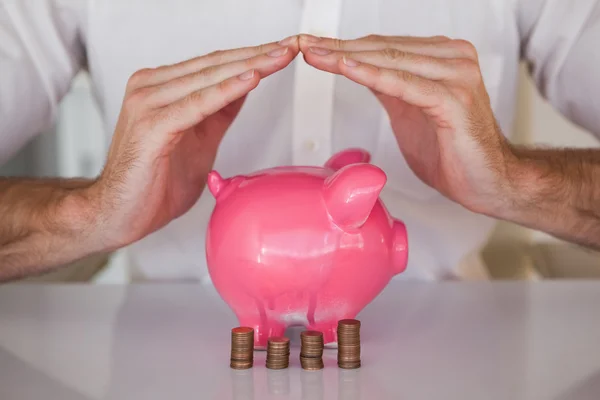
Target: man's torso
(301, 115)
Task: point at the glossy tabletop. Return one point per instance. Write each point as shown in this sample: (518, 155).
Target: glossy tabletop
(419, 341)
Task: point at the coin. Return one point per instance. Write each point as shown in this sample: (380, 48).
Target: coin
(311, 350)
(242, 348)
(278, 353)
(348, 333)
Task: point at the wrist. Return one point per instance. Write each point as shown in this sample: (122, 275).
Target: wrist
(532, 186)
(80, 210)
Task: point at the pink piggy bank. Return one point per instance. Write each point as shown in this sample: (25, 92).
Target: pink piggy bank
(303, 245)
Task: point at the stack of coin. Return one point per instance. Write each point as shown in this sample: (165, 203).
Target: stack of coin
(311, 351)
(278, 353)
(242, 347)
(348, 333)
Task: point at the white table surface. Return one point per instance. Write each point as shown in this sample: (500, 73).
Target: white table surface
(419, 341)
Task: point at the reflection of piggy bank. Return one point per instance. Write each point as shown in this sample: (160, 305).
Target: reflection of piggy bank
(303, 245)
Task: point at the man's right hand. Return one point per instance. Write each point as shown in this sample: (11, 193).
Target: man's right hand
(171, 123)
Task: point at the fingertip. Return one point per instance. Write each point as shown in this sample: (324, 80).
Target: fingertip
(307, 39)
(344, 68)
(350, 67)
(248, 75)
(292, 53)
(349, 62)
(317, 63)
(295, 51)
(303, 46)
(290, 41)
(314, 58)
(250, 78)
(283, 61)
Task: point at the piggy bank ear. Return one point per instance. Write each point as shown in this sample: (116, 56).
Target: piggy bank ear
(351, 193)
(215, 183)
(347, 157)
(221, 188)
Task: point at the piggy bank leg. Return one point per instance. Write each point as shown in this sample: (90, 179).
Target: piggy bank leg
(263, 330)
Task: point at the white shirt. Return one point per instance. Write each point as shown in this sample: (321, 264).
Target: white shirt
(299, 115)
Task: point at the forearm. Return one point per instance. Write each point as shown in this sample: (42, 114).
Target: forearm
(44, 223)
(556, 191)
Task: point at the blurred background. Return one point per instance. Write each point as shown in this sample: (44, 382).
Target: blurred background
(75, 147)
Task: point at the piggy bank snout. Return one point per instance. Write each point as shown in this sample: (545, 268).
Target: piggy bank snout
(399, 247)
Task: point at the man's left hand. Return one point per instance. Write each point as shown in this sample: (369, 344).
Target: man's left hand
(439, 109)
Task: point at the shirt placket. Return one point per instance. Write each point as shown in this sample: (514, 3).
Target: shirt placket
(314, 89)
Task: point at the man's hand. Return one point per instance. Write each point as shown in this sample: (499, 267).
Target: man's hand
(438, 106)
(439, 109)
(169, 129)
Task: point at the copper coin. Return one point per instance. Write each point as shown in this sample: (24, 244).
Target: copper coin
(242, 330)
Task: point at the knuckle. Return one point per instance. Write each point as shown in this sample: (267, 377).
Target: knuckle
(405, 76)
(137, 98)
(196, 102)
(228, 91)
(472, 71)
(193, 99)
(469, 70)
(250, 63)
(466, 64)
(466, 47)
(215, 57)
(373, 36)
(392, 54)
(441, 38)
(261, 49)
(206, 72)
(138, 78)
(338, 44)
(216, 54)
(223, 88)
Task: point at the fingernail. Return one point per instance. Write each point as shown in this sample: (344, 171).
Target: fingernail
(288, 40)
(247, 75)
(319, 51)
(311, 38)
(349, 62)
(278, 52)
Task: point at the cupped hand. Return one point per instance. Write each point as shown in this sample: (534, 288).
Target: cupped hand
(168, 132)
(433, 91)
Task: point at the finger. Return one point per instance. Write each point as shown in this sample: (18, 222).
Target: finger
(378, 38)
(155, 76)
(433, 47)
(173, 90)
(197, 106)
(412, 89)
(389, 58)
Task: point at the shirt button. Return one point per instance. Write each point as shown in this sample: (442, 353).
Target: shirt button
(310, 145)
